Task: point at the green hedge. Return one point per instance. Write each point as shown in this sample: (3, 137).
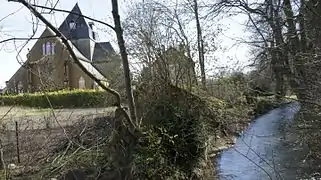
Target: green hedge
(60, 99)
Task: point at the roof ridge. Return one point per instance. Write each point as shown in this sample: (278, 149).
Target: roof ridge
(74, 11)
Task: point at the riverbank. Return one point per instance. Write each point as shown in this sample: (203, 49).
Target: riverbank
(224, 123)
(242, 119)
(265, 150)
(265, 105)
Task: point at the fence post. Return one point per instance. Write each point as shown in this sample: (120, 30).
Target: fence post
(3, 165)
(17, 141)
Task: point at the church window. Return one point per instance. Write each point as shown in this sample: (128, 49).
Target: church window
(81, 83)
(48, 48)
(20, 87)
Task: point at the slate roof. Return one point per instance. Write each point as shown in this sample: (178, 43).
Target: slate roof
(82, 31)
(87, 63)
(102, 49)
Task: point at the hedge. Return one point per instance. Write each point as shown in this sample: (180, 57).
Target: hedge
(60, 99)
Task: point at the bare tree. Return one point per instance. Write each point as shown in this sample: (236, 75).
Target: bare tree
(156, 26)
(291, 35)
(123, 52)
(151, 25)
(200, 43)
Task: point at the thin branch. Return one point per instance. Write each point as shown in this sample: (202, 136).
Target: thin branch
(76, 60)
(25, 39)
(65, 11)
(10, 14)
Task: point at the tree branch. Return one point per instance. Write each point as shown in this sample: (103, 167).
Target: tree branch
(24, 39)
(76, 60)
(65, 11)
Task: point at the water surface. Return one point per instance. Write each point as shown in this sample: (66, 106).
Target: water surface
(265, 150)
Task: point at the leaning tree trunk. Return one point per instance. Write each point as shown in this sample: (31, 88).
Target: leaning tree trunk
(191, 64)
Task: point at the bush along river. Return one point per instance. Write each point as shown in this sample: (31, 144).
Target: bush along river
(265, 150)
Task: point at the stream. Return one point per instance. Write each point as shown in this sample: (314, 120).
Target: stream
(264, 150)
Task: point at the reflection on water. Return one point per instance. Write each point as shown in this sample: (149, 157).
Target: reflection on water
(263, 152)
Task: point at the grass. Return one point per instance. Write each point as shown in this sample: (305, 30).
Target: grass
(22, 111)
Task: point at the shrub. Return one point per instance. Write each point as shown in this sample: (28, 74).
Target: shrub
(151, 161)
(60, 99)
(177, 133)
(264, 105)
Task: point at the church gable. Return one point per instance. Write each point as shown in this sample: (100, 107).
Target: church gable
(75, 26)
(45, 45)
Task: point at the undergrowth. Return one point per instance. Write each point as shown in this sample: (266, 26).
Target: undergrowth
(176, 127)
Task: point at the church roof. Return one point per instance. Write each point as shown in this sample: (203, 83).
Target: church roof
(99, 51)
(81, 30)
(102, 49)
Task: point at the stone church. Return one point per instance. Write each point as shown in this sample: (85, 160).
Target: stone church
(49, 65)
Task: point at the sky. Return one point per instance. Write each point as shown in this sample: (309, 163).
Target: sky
(16, 21)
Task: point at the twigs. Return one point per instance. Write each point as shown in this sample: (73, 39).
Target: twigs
(24, 39)
(90, 75)
(69, 48)
(61, 10)
(127, 130)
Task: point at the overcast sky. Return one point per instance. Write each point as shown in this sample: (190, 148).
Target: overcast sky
(16, 21)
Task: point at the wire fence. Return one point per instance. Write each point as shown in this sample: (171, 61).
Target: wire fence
(30, 140)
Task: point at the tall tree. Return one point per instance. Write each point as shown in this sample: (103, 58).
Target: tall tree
(124, 56)
(157, 27)
(200, 43)
(294, 51)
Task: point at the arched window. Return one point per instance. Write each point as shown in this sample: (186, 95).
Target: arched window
(81, 83)
(48, 48)
(20, 87)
